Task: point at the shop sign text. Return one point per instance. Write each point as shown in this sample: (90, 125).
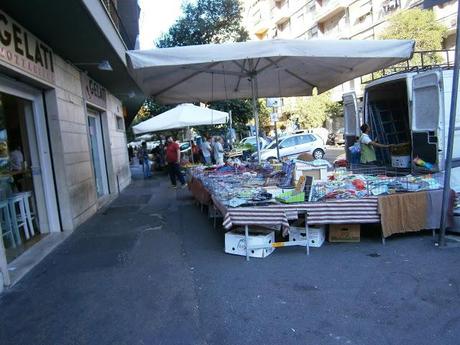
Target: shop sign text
(21, 49)
(93, 92)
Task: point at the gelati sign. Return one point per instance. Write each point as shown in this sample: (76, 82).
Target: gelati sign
(93, 92)
(21, 49)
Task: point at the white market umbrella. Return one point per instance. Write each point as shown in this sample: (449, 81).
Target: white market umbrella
(182, 116)
(271, 68)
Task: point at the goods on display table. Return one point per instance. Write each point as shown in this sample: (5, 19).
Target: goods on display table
(274, 195)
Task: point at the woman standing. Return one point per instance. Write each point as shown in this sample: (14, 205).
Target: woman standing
(368, 146)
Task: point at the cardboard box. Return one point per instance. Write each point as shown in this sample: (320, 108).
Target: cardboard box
(235, 242)
(344, 232)
(316, 234)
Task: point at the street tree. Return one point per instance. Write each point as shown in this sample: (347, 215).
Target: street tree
(311, 112)
(204, 22)
(419, 25)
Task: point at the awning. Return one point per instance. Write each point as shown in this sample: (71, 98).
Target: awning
(283, 67)
(182, 116)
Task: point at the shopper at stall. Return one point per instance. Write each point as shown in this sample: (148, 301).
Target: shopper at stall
(206, 150)
(219, 151)
(368, 146)
(213, 149)
(196, 152)
(173, 159)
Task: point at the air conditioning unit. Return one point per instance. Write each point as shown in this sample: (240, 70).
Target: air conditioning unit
(390, 5)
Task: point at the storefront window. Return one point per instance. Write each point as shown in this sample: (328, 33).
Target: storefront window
(19, 219)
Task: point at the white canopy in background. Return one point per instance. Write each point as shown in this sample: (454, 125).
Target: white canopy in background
(282, 68)
(182, 116)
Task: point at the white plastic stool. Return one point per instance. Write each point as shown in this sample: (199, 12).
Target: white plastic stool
(20, 217)
(29, 213)
(7, 225)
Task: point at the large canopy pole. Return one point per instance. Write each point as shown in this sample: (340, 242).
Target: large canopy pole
(450, 139)
(253, 78)
(256, 114)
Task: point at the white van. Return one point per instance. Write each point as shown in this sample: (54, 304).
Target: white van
(411, 107)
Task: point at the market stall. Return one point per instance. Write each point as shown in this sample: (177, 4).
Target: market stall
(245, 196)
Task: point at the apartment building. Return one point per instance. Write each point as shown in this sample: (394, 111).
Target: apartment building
(65, 96)
(336, 19)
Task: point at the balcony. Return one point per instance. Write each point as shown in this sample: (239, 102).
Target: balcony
(261, 26)
(330, 9)
(280, 14)
(118, 14)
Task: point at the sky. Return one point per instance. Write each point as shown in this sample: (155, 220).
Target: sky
(156, 18)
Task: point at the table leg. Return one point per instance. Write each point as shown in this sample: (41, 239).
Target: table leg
(246, 237)
(307, 235)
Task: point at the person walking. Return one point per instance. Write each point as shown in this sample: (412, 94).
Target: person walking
(219, 151)
(368, 146)
(206, 151)
(173, 159)
(144, 153)
(130, 154)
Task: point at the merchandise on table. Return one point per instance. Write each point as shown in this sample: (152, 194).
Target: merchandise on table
(237, 184)
(346, 185)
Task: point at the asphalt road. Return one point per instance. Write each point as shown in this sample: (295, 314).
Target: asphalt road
(334, 152)
(150, 269)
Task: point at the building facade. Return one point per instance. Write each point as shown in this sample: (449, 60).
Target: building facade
(336, 19)
(65, 96)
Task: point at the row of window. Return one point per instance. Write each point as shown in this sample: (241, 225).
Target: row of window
(305, 16)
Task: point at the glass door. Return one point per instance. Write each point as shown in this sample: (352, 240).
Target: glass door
(97, 152)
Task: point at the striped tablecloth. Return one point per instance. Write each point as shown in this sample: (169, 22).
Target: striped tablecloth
(331, 212)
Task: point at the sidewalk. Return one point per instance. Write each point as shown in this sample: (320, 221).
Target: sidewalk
(150, 269)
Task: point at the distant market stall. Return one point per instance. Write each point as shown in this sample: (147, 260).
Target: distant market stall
(182, 116)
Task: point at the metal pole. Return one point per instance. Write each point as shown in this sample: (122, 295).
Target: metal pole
(276, 138)
(231, 127)
(191, 148)
(276, 131)
(256, 112)
(450, 139)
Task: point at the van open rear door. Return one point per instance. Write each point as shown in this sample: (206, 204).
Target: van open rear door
(427, 107)
(351, 119)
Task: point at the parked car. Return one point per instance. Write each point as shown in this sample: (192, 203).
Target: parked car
(252, 141)
(293, 145)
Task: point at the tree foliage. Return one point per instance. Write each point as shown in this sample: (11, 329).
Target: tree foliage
(312, 112)
(206, 21)
(419, 25)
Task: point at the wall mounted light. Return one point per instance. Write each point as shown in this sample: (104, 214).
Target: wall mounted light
(104, 65)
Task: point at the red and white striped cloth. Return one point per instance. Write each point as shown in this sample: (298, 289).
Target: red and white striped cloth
(331, 212)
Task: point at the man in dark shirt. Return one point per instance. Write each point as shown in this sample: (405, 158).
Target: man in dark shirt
(173, 159)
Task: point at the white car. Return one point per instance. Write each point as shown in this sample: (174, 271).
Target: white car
(252, 141)
(292, 145)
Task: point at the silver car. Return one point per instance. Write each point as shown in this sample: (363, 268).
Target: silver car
(292, 145)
